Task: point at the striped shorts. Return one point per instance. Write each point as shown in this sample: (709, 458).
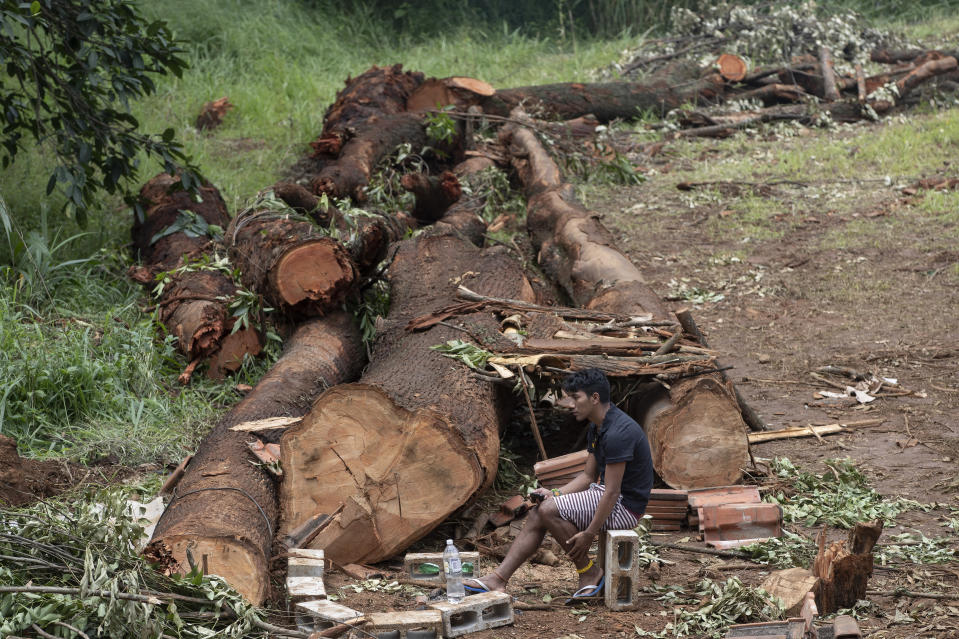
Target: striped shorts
(579, 508)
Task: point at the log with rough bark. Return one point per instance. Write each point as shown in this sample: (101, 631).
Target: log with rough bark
(463, 217)
(696, 431)
(376, 92)
(366, 235)
(374, 139)
(193, 304)
(224, 508)
(297, 268)
(607, 101)
(418, 436)
(434, 194)
(844, 567)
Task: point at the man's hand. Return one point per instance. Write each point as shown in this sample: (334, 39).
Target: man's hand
(544, 494)
(578, 545)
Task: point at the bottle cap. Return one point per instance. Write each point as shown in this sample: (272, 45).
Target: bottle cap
(449, 542)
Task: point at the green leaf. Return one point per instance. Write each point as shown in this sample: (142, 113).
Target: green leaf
(35, 8)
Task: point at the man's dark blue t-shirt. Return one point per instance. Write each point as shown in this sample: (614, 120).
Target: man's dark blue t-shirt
(621, 439)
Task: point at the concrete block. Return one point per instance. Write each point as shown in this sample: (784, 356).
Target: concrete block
(475, 613)
(412, 624)
(302, 567)
(622, 569)
(414, 561)
(320, 614)
(305, 588)
(316, 554)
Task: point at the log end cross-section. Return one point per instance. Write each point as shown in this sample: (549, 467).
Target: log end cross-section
(390, 466)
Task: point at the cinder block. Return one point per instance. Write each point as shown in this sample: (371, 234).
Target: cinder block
(414, 561)
(412, 624)
(305, 588)
(302, 567)
(622, 569)
(316, 554)
(475, 613)
(320, 614)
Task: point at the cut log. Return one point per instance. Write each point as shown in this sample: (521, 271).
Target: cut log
(193, 305)
(844, 567)
(440, 92)
(696, 431)
(731, 67)
(224, 508)
(607, 101)
(434, 194)
(418, 437)
(375, 138)
(830, 92)
(163, 199)
(366, 237)
(295, 267)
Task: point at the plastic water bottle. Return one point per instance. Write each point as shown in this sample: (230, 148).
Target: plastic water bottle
(453, 569)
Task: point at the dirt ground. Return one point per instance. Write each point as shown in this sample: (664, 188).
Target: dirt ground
(831, 272)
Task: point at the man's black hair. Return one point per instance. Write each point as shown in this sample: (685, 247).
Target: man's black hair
(591, 380)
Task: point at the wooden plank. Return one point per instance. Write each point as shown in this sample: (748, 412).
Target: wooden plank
(808, 431)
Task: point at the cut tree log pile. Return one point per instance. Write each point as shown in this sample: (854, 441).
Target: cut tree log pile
(417, 436)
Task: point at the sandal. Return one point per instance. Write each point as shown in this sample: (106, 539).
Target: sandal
(587, 592)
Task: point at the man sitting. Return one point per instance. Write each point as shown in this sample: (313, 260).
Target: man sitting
(610, 494)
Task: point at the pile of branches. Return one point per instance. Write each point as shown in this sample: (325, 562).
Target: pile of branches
(763, 34)
(73, 570)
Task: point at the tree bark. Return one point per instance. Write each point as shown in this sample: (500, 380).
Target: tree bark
(844, 568)
(418, 437)
(607, 101)
(224, 509)
(463, 217)
(434, 194)
(375, 138)
(696, 432)
(376, 92)
(292, 264)
(193, 305)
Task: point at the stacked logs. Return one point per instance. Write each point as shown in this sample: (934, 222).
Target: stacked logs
(394, 452)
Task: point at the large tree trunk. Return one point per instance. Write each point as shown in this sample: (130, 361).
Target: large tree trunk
(607, 101)
(224, 508)
(193, 304)
(419, 436)
(376, 92)
(696, 432)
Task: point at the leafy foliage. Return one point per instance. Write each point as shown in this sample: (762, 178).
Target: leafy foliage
(192, 225)
(783, 552)
(470, 354)
(74, 68)
(724, 604)
(918, 549)
(841, 497)
(91, 545)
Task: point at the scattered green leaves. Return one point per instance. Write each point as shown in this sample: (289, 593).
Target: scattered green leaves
(918, 549)
(839, 497)
(440, 127)
(783, 552)
(470, 354)
(91, 545)
(724, 604)
(192, 225)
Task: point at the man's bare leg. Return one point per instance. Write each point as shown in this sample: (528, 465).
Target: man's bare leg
(541, 519)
